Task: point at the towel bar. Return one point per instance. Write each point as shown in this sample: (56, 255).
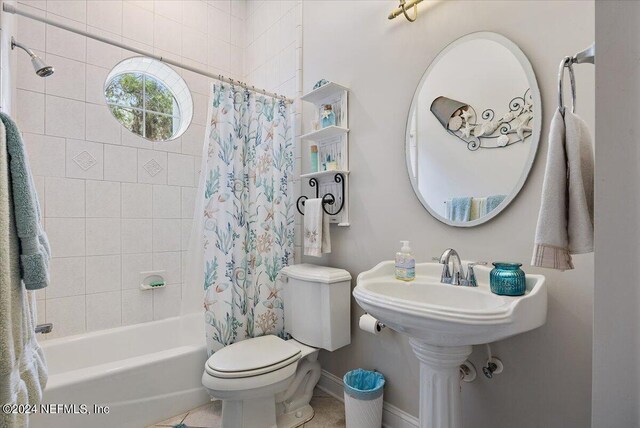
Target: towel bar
(327, 198)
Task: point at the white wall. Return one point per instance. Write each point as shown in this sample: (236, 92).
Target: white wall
(547, 381)
(113, 220)
(616, 345)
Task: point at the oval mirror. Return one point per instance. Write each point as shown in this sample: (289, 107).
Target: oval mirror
(473, 129)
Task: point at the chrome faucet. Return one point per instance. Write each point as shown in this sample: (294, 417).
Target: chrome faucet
(456, 275)
(451, 277)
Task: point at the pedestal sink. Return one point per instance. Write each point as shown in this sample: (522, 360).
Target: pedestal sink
(443, 321)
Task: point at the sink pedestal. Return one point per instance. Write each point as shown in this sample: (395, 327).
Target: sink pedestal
(440, 398)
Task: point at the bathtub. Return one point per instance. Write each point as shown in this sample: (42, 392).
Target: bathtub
(144, 373)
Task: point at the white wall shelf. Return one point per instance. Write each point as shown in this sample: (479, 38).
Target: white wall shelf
(324, 133)
(321, 174)
(324, 92)
(333, 150)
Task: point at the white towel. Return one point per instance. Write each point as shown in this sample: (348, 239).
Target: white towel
(477, 208)
(316, 229)
(23, 372)
(565, 221)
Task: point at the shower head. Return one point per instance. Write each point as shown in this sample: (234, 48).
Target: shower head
(40, 67)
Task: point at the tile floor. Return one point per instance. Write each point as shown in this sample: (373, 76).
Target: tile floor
(329, 413)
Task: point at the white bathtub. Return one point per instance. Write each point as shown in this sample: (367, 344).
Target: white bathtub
(145, 373)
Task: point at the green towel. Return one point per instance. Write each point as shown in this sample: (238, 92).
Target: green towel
(34, 246)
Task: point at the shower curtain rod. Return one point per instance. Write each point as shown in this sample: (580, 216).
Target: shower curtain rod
(9, 8)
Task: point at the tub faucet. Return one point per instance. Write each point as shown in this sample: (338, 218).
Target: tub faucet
(44, 328)
(456, 275)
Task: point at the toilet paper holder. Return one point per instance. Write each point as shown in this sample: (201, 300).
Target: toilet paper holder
(370, 324)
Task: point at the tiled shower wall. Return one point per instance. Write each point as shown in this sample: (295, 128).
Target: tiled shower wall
(115, 204)
(273, 60)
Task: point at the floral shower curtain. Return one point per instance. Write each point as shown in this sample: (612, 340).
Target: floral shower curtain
(247, 214)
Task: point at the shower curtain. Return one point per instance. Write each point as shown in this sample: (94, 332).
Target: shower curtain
(244, 215)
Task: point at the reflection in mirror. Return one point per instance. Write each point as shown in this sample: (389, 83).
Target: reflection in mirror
(473, 129)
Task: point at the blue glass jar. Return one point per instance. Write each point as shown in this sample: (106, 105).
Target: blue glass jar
(328, 116)
(507, 279)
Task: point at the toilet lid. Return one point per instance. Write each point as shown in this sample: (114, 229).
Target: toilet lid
(252, 357)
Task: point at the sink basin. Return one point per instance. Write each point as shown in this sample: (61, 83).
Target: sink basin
(445, 314)
(443, 321)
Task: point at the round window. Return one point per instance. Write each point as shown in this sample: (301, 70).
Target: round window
(149, 98)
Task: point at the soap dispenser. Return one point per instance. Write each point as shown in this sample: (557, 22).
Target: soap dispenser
(405, 263)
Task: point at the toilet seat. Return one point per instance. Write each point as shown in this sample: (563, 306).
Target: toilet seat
(252, 357)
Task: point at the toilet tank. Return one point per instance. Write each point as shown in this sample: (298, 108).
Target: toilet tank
(317, 305)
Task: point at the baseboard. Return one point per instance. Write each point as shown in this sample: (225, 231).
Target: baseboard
(392, 417)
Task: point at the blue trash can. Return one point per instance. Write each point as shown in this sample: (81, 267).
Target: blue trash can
(363, 397)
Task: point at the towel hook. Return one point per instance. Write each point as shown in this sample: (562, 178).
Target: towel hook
(567, 62)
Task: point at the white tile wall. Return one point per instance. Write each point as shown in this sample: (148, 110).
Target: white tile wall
(137, 23)
(152, 167)
(103, 236)
(46, 155)
(66, 236)
(30, 108)
(105, 15)
(101, 126)
(180, 170)
(64, 197)
(103, 199)
(104, 310)
(166, 301)
(100, 276)
(166, 235)
(188, 202)
(96, 76)
(171, 264)
(166, 202)
(67, 315)
(64, 117)
(69, 79)
(132, 265)
(120, 163)
(67, 277)
(65, 43)
(84, 159)
(137, 306)
(72, 9)
(116, 204)
(136, 200)
(136, 235)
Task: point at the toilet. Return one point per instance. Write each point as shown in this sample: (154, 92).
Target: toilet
(267, 382)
